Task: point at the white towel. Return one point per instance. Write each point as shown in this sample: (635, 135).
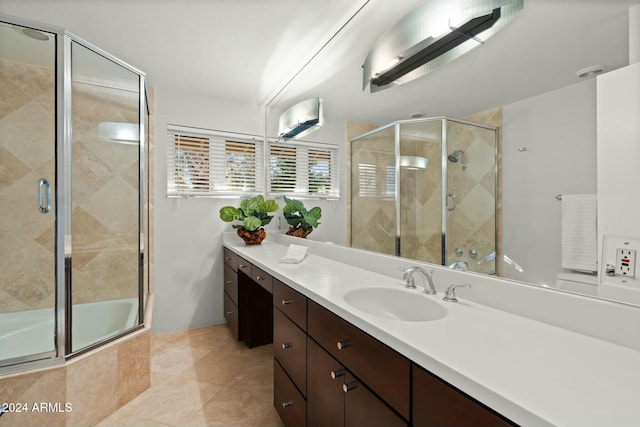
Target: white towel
(294, 255)
(579, 248)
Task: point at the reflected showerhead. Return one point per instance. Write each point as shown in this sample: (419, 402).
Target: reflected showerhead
(456, 156)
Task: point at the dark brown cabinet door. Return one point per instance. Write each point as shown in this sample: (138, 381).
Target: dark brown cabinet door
(380, 367)
(231, 315)
(437, 404)
(364, 409)
(335, 398)
(231, 283)
(290, 348)
(325, 397)
(287, 400)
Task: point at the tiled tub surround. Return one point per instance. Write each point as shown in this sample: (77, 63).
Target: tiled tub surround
(94, 385)
(536, 356)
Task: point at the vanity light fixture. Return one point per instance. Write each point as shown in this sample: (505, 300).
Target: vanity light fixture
(301, 119)
(431, 35)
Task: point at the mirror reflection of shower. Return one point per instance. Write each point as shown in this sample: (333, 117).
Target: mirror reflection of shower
(456, 157)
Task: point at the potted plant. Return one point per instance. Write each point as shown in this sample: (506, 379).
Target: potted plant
(301, 220)
(254, 214)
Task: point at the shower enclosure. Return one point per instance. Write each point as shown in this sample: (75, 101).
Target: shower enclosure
(73, 126)
(426, 189)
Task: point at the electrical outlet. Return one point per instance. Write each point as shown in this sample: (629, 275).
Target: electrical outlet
(626, 262)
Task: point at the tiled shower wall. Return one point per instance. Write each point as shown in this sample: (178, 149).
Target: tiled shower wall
(105, 235)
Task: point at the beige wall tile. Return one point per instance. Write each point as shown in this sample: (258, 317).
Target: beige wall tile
(134, 367)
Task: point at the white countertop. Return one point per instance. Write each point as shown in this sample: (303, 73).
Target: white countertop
(533, 373)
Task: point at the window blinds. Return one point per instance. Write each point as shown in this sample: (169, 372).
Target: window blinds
(303, 169)
(201, 162)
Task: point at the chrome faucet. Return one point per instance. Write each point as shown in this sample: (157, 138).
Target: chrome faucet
(429, 287)
(450, 295)
(460, 265)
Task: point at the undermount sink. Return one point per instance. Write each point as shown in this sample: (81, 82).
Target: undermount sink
(397, 304)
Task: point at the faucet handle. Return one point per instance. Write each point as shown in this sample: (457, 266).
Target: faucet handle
(450, 294)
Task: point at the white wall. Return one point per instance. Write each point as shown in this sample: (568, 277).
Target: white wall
(558, 130)
(619, 171)
(188, 232)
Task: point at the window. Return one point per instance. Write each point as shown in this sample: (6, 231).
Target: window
(202, 162)
(303, 169)
(366, 180)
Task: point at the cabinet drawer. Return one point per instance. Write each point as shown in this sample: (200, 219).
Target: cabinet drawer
(291, 303)
(231, 283)
(244, 266)
(325, 397)
(230, 259)
(262, 278)
(287, 400)
(290, 348)
(436, 403)
(231, 315)
(380, 367)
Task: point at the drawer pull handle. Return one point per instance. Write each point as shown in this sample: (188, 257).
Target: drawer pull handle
(337, 373)
(287, 345)
(227, 259)
(286, 301)
(343, 344)
(287, 403)
(243, 266)
(260, 277)
(228, 313)
(228, 282)
(347, 387)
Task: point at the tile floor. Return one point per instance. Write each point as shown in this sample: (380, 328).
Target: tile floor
(203, 377)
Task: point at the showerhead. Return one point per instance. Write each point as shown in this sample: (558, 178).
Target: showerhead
(456, 156)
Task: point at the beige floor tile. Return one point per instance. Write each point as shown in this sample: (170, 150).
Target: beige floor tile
(272, 419)
(233, 407)
(174, 360)
(173, 402)
(203, 377)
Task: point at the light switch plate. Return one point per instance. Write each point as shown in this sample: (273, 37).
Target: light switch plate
(626, 262)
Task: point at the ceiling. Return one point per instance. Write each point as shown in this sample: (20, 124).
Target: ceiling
(278, 52)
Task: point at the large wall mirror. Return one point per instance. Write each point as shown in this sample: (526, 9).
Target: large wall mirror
(526, 75)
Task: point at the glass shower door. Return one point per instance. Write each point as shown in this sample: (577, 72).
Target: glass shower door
(27, 194)
(421, 190)
(105, 198)
(373, 192)
(471, 197)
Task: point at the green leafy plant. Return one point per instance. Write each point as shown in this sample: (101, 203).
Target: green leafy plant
(301, 220)
(253, 212)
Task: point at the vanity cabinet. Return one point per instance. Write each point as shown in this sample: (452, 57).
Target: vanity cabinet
(327, 372)
(383, 369)
(344, 353)
(336, 398)
(247, 300)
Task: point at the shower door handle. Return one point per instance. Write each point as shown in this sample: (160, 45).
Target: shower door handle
(44, 196)
(453, 201)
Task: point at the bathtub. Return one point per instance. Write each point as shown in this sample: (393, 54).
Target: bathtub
(32, 331)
